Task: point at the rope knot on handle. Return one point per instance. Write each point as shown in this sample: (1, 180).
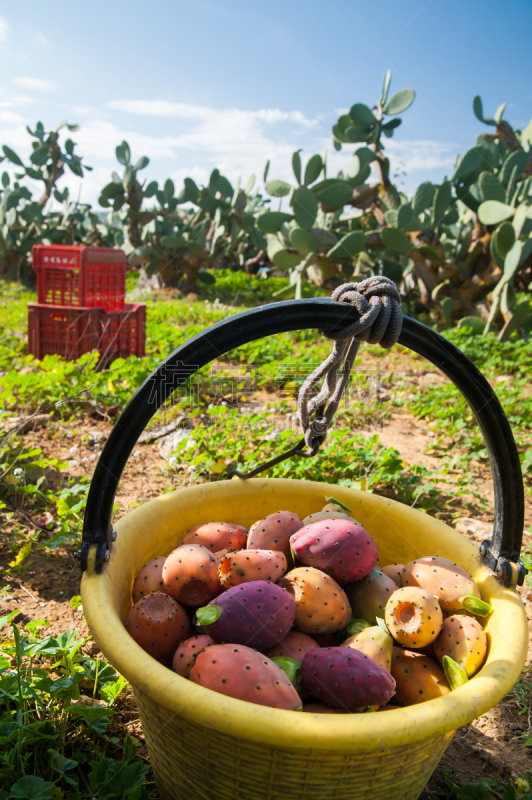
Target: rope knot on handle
(377, 302)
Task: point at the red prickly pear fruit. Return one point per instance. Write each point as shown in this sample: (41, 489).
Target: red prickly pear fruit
(225, 552)
(217, 536)
(322, 605)
(240, 672)
(257, 614)
(326, 639)
(190, 574)
(327, 514)
(393, 571)
(149, 579)
(375, 643)
(274, 532)
(413, 617)
(462, 639)
(417, 677)
(369, 596)
(443, 579)
(158, 624)
(345, 678)
(294, 645)
(251, 565)
(341, 548)
(321, 708)
(185, 655)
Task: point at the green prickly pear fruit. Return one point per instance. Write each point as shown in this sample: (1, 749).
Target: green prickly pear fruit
(417, 677)
(274, 532)
(443, 579)
(413, 617)
(322, 605)
(149, 579)
(375, 643)
(217, 536)
(251, 565)
(462, 639)
(369, 596)
(393, 571)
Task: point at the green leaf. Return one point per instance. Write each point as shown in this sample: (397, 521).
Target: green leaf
(362, 117)
(348, 245)
(305, 205)
(423, 197)
(291, 668)
(396, 240)
(173, 242)
(207, 278)
(386, 86)
(477, 108)
(286, 260)
(296, 165)
(490, 187)
(12, 156)
(500, 111)
(504, 239)
(354, 134)
(389, 127)
(207, 615)
(141, 163)
(382, 625)
(468, 164)
(266, 170)
(476, 606)
(278, 188)
(455, 674)
(123, 153)
(492, 212)
(31, 787)
(333, 192)
(168, 189)
(272, 221)
(151, 189)
(516, 160)
(191, 191)
(447, 307)
(338, 503)
(399, 102)
(302, 241)
(313, 169)
(442, 200)
(519, 219)
(357, 625)
(512, 261)
(475, 324)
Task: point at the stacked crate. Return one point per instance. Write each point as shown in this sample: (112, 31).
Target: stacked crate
(80, 305)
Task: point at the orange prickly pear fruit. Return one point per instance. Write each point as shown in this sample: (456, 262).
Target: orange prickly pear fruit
(186, 653)
(443, 579)
(322, 605)
(190, 574)
(369, 596)
(240, 672)
(251, 565)
(375, 643)
(295, 644)
(413, 617)
(225, 551)
(158, 624)
(149, 579)
(462, 639)
(393, 571)
(417, 677)
(274, 532)
(217, 536)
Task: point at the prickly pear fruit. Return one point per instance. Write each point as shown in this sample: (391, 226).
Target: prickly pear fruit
(321, 708)
(186, 653)
(369, 596)
(256, 614)
(224, 552)
(345, 678)
(322, 605)
(326, 514)
(217, 536)
(443, 579)
(393, 571)
(418, 677)
(274, 532)
(158, 624)
(251, 565)
(375, 643)
(413, 616)
(294, 645)
(149, 579)
(238, 671)
(343, 549)
(190, 574)
(462, 639)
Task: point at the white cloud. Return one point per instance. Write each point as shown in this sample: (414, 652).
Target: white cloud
(3, 29)
(423, 155)
(38, 84)
(10, 116)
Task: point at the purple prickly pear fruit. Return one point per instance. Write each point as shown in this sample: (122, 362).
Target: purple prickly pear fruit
(375, 643)
(149, 579)
(274, 532)
(185, 655)
(369, 596)
(341, 548)
(418, 678)
(294, 645)
(443, 579)
(190, 575)
(322, 605)
(321, 708)
(257, 614)
(217, 536)
(158, 624)
(345, 678)
(413, 617)
(240, 672)
(393, 571)
(251, 565)
(462, 639)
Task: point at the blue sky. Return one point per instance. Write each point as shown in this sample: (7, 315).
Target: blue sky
(195, 84)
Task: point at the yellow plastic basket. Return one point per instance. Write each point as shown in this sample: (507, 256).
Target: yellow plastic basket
(203, 745)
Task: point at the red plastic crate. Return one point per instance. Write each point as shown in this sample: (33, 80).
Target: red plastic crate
(70, 332)
(72, 275)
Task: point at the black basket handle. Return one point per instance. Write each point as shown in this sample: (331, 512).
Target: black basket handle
(501, 553)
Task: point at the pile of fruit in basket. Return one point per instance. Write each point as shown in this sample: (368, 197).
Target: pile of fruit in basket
(296, 614)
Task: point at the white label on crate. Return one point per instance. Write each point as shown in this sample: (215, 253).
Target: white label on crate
(59, 260)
